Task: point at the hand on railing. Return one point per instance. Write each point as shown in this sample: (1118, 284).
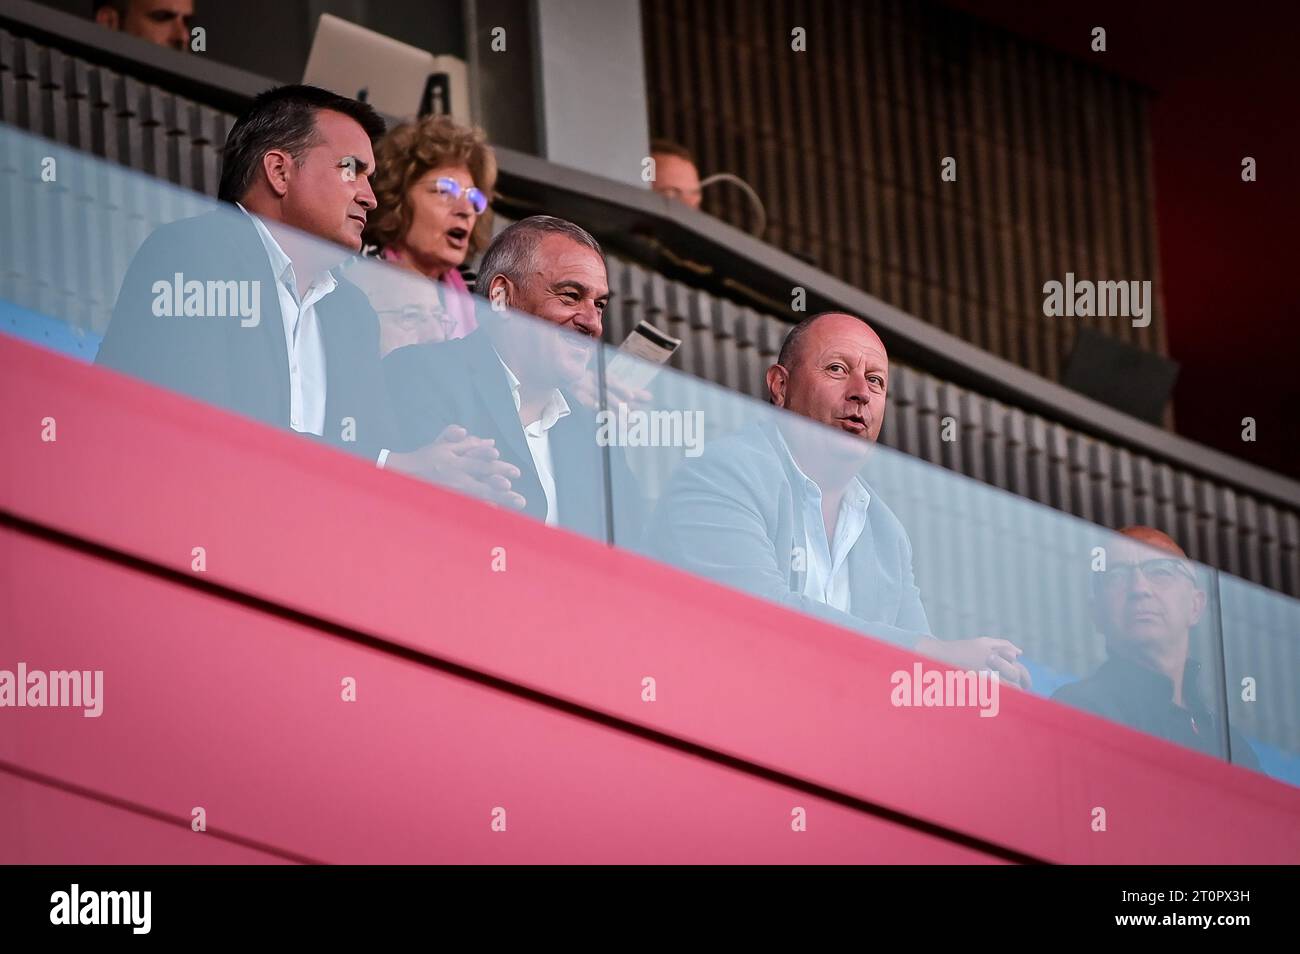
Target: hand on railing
(982, 652)
(469, 464)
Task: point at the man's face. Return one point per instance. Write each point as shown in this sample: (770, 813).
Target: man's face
(164, 22)
(1147, 599)
(328, 193)
(840, 377)
(677, 178)
(569, 288)
(409, 306)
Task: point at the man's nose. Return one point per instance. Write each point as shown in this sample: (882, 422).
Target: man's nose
(588, 319)
(366, 195)
(858, 390)
(1138, 584)
(180, 35)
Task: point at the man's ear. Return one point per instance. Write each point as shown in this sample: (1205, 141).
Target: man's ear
(107, 16)
(778, 378)
(501, 294)
(278, 167)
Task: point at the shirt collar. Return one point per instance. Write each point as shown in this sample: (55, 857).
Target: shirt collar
(556, 406)
(856, 495)
(282, 265)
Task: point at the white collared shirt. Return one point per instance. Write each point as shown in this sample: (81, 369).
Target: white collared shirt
(827, 577)
(306, 350)
(539, 440)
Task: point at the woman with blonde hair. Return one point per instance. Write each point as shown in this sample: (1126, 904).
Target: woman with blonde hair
(433, 182)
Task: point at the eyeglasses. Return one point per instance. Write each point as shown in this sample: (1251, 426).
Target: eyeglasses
(413, 315)
(453, 190)
(1161, 573)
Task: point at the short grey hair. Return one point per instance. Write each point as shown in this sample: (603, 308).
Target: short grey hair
(513, 253)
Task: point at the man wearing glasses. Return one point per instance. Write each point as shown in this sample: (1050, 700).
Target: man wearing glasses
(1145, 603)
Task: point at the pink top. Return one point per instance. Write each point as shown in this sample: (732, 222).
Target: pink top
(459, 305)
(456, 299)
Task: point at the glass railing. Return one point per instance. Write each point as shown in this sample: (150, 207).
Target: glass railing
(104, 263)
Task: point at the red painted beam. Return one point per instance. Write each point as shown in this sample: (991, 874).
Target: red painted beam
(316, 561)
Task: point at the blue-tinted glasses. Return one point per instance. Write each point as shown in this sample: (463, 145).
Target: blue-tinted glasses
(453, 190)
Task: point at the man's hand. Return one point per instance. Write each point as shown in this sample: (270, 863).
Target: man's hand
(982, 652)
(471, 465)
(616, 393)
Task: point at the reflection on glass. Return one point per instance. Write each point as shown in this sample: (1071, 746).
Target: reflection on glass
(1261, 641)
(803, 509)
(1151, 606)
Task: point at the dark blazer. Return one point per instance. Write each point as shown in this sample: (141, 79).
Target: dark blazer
(735, 514)
(246, 369)
(463, 382)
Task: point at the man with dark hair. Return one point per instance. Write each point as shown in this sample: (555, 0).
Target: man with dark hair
(1146, 602)
(513, 379)
(675, 174)
(305, 355)
(162, 22)
(781, 510)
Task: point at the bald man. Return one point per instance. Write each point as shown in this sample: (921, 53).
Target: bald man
(781, 510)
(1146, 603)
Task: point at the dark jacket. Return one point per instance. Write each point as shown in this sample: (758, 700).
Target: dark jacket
(246, 369)
(1143, 699)
(463, 382)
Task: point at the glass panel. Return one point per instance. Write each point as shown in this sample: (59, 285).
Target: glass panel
(1261, 639)
(101, 262)
(912, 550)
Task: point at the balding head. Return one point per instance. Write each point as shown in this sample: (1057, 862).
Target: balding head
(834, 369)
(1151, 537)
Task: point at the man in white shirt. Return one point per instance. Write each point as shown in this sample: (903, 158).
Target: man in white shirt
(295, 172)
(513, 379)
(780, 509)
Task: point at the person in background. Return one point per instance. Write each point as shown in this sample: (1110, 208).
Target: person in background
(433, 183)
(409, 307)
(676, 176)
(1146, 603)
(163, 22)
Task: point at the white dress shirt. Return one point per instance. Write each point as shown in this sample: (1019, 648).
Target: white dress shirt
(306, 350)
(539, 440)
(827, 578)
(302, 338)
